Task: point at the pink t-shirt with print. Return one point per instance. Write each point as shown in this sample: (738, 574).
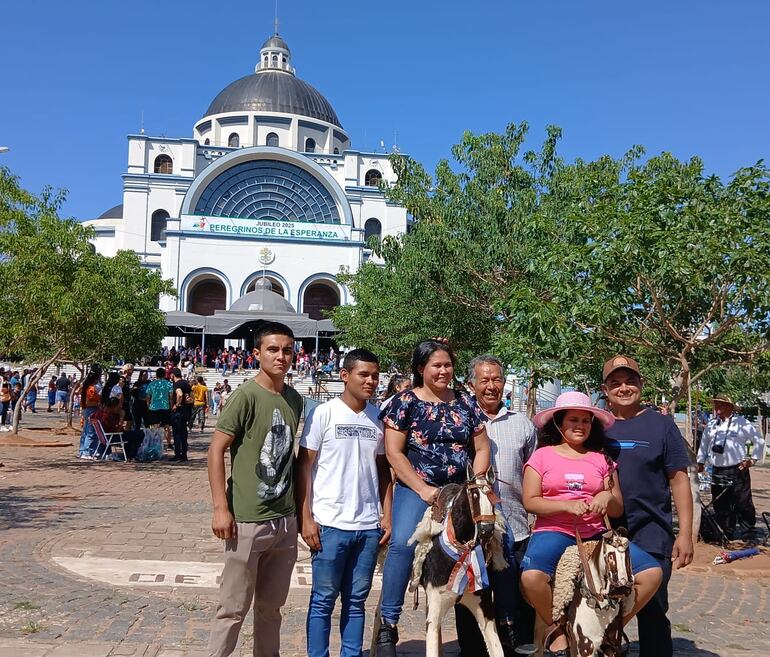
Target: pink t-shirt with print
(570, 479)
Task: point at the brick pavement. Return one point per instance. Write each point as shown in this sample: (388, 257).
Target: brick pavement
(65, 522)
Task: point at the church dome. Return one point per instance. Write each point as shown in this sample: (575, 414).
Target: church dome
(273, 91)
(273, 87)
(263, 300)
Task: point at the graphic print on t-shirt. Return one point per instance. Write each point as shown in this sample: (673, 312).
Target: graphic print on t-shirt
(574, 481)
(626, 444)
(274, 458)
(354, 432)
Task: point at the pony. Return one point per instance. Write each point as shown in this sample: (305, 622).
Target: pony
(593, 590)
(456, 539)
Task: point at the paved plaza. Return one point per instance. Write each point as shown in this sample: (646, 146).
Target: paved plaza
(108, 559)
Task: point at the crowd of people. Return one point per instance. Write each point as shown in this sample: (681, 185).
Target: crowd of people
(306, 364)
(365, 475)
(14, 382)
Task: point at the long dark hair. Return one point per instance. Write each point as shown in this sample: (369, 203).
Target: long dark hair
(112, 381)
(395, 381)
(550, 434)
(91, 378)
(421, 355)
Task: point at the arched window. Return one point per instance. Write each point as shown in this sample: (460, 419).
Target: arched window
(319, 298)
(272, 139)
(206, 142)
(336, 151)
(310, 145)
(158, 225)
(234, 141)
(275, 61)
(372, 178)
(206, 297)
(372, 228)
(265, 60)
(164, 164)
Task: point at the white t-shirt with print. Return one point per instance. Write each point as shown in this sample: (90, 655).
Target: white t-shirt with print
(345, 491)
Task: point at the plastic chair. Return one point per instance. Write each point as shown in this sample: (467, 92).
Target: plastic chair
(108, 440)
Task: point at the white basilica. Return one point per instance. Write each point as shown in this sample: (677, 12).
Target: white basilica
(267, 186)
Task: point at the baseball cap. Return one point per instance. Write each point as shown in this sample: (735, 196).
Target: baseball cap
(617, 363)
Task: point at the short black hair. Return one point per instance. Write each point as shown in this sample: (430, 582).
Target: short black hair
(112, 402)
(271, 328)
(160, 373)
(177, 372)
(359, 355)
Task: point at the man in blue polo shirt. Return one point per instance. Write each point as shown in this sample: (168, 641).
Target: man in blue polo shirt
(652, 464)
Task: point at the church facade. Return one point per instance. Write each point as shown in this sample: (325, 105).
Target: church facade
(267, 186)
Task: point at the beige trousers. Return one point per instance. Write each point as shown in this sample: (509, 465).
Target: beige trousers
(258, 567)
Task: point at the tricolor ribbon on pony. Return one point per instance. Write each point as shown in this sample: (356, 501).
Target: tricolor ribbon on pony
(470, 571)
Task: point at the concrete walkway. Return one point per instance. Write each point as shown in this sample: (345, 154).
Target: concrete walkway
(103, 559)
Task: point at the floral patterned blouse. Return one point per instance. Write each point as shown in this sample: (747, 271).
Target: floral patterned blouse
(438, 434)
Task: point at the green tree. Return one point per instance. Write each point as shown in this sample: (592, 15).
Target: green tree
(60, 300)
(556, 266)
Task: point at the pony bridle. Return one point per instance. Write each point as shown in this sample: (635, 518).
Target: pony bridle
(473, 489)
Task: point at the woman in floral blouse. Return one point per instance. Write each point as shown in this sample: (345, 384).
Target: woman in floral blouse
(430, 434)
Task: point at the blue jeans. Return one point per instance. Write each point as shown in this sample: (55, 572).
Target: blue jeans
(546, 547)
(408, 510)
(88, 439)
(654, 626)
(343, 567)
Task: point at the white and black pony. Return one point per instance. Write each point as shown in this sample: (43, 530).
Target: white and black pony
(593, 590)
(458, 537)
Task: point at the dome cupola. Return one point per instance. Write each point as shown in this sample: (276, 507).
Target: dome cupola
(274, 55)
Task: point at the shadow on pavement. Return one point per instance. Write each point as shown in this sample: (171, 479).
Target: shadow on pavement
(684, 647)
(416, 648)
(43, 509)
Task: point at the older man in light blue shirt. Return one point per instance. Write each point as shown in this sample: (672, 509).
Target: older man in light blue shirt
(513, 439)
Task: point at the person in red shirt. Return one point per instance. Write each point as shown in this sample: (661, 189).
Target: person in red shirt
(110, 417)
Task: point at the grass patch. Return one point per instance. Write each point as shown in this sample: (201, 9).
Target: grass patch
(33, 627)
(191, 606)
(26, 605)
(680, 627)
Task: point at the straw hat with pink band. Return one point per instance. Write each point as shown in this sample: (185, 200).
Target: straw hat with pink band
(573, 401)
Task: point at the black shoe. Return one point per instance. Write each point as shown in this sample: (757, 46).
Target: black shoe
(506, 631)
(175, 458)
(387, 638)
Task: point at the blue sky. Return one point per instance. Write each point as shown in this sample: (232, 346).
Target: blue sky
(690, 77)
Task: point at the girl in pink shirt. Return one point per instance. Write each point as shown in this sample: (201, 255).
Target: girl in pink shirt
(570, 484)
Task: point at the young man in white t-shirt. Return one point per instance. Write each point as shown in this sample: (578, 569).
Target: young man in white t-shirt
(344, 498)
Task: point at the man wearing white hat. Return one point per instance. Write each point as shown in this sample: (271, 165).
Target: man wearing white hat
(652, 463)
(732, 444)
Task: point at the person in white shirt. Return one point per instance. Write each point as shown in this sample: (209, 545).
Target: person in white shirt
(343, 499)
(732, 445)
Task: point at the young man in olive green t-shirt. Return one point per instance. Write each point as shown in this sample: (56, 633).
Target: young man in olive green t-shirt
(255, 512)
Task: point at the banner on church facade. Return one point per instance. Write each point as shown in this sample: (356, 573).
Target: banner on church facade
(261, 228)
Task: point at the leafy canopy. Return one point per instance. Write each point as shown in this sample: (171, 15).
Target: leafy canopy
(61, 298)
(556, 266)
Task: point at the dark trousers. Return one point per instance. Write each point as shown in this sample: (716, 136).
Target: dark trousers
(132, 440)
(509, 605)
(140, 414)
(654, 626)
(179, 419)
(733, 501)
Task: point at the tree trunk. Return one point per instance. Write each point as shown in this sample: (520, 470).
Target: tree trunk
(32, 382)
(71, 400)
